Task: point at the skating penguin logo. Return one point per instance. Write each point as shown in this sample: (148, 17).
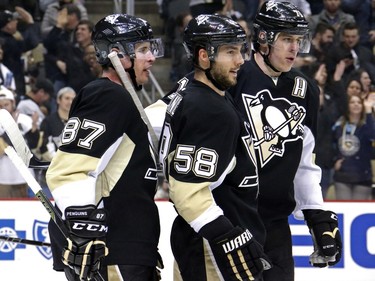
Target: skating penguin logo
(273, 122)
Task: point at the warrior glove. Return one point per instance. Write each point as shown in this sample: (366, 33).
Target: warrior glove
(86, 243)
(323, 226)
(237, 254)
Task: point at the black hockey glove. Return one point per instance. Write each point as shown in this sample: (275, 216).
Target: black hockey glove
(239, 256)
(323, 226)
(86, 243)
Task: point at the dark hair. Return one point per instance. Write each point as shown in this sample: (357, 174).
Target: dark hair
(350, 26)
(89, 24)
(73, 9)
(323, 27)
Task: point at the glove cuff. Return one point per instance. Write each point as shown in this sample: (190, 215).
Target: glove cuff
(216, 228)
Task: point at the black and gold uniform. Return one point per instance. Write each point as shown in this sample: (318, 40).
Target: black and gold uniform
(208, 153)
(105, 154)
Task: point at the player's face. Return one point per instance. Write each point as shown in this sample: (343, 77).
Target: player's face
(284, 51)
(227, 63)
(144, 59)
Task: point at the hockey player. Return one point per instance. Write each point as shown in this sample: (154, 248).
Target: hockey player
(281, 106)
(208, 156)
(103, 176)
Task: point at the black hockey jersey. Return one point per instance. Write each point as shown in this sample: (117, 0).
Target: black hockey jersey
(282, 113)
(207, 152)
(105, 154)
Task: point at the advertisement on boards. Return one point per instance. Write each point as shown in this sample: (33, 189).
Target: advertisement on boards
(28, 220)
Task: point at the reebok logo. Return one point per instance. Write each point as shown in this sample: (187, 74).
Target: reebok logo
(237, 242)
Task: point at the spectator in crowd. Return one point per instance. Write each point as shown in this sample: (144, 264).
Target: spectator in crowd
(53, 125)
(321, 43)
(333, 15)
(353, 135)
(89, 56)
(363, 76)
(355, 55)
(332, 105)
(16, 43)
(78, 72)
(180, 63)
(51, 14)
(6, 76)
(12, 184)
(353, 87)
(58, 40)
(34, 102)
(362, 12)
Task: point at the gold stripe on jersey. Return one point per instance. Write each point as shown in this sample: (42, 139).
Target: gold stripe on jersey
(114, 273)
(190, 199)
(66, 168)
(116, 166)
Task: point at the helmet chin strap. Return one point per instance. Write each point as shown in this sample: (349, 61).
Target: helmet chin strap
(209, 77)
(267, 62)
(131, 72)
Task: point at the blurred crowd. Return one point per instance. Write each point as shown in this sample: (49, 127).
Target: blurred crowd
(46, 57)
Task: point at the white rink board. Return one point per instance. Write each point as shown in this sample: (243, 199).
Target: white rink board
(26, 219)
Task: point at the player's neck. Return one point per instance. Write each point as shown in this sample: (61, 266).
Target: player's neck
(264, 67)
(111, 74)
(201, 76)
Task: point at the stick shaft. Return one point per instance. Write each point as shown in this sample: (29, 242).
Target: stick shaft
(24, 241)
(35, 187)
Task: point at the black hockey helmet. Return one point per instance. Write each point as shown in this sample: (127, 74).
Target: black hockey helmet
(275, 17)
(211, 31)
(123, 31)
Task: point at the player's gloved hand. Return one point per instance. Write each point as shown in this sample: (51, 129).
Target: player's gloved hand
(239, 256)
(323, 226)
(268, 133)
(86, 243)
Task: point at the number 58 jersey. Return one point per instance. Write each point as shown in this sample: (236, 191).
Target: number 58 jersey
(208, 158)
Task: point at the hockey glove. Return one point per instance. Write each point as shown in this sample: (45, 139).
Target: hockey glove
(239, 256)
(86, 243)
(323, 226)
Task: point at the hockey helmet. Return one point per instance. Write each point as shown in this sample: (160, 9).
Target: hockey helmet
(123, 31)
(275, 17)
(211, 31)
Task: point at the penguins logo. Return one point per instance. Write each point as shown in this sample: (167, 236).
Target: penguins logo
(273, 123)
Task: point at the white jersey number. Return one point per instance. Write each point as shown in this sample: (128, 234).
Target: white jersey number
(202, 162)
(71, 130)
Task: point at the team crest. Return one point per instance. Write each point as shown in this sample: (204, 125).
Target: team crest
(273, 121)
(40, 233)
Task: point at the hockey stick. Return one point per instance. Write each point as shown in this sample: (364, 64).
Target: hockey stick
(11, 128)
(129, 87)
(24, 241)
(36, 188)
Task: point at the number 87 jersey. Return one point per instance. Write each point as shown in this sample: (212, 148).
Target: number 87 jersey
(208, 157)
